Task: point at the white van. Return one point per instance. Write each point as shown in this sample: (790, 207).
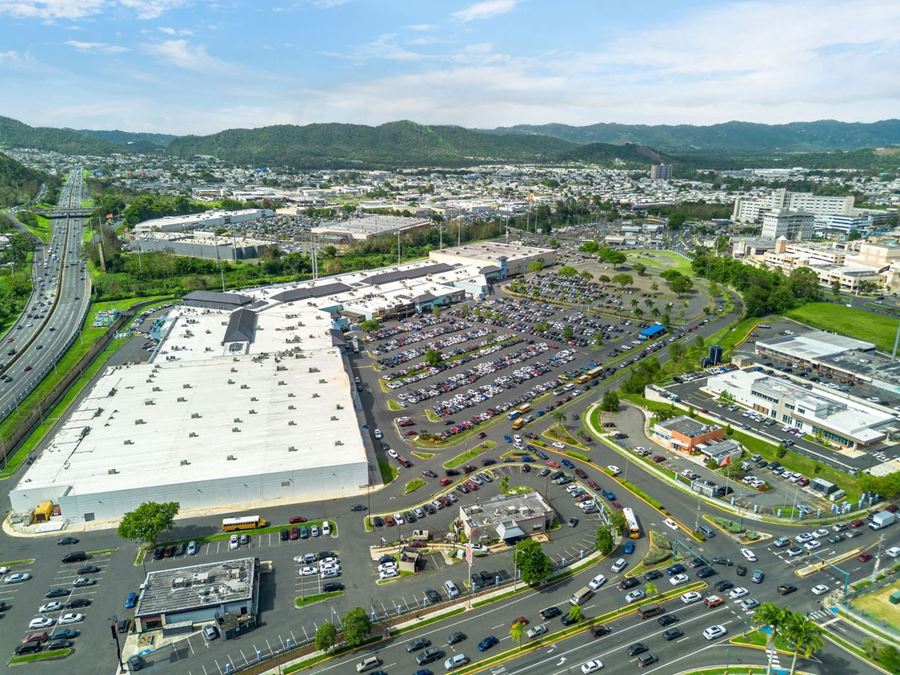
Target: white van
(581, 596)
(367, 664)
(451, 589)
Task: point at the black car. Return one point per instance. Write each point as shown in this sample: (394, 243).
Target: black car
(677, 568)
(75, 603)
(696, 562)
(568, 620)
(358, 507)
(705, 572)
(668, 619)
(451, 472)
(377, 521)
(455, 638)
(600, 631)
(59, 644)
(629, 582)
(724, 585)
(417, 644)
(428, 655)
(672, 633)
(550, 612)
(488, 462)
(784, 589)
(88, 569)
(722, 560)
(637, 648)
(321, 555)
(64, 634)
(332, 586)
(123, 625)
(66, 541)
(158, 552)
(647, 660)
(741, 571)
(57, 593)
(432, 595)
(652, 575)
(284, 535)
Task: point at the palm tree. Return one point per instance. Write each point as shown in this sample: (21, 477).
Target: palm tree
(575, 613)
(805, 635)
(517, 631)
(777, 619)
(650, 589)
(559, 417)
(634, 302)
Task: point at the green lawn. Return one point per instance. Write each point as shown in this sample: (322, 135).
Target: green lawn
(313, 599)
(661, 259)
(413, 485)
(877, 605)
(855, 323)
(388, 471)
(41, 229)
(41, 656)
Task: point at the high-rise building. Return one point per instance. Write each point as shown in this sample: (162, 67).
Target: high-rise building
(751, 209)
(788, 224)
(660, 171)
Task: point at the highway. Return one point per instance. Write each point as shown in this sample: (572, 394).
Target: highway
(53, 317)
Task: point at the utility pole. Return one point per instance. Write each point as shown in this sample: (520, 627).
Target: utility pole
(398, 247)
(441, 235)
(877, 558)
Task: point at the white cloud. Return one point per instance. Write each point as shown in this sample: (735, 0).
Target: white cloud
(51, 10)
(102, 47)
(327, 4)
(12, 60)
(181, 54)
(168, 30)
(421, 27)
(484, 10)
(383, 47)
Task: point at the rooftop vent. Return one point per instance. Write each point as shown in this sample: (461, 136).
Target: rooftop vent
(195, 416)
(182, 399)
(231, 458)
(185, 462)
(128, 441)
(193, 434)
(139, 421)
(112, 472)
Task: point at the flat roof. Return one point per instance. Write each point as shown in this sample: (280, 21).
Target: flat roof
(491, 251)
(180, 589)
(235, 299)
(506, 509)
(813, 345)
(686, 426)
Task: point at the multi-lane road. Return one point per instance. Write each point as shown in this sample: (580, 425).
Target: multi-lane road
(53, 317)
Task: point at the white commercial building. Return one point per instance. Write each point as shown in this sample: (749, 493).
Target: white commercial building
(751, 209)
(508, 259)
(247, 402)
(360, 229)
(203, 221)
(793, 225)
(834, 419)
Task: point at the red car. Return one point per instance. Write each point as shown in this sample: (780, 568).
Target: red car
(294, 534)
(522, 620)
(469, 468)
(552, 463)
(859, 522)
(580, 473)
(594, 485)
(891, 508)
(481, 434)
(446, 481)
(658, 458)
(865, 556)
(389, 521)
(297, 519)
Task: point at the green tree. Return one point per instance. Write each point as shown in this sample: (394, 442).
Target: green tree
(889, 657)
(533, 564)
(805, 635)
(356, 626)
(712, 464)
(575, 613)
(780, 451)
(598, 339)
(517, 631)
(148, 521)
(640, 268)
(617, 521)
(888, 485)
(433, 358)
(836, 288)
(369, 326)
(504, 484)
(326, 636)
(568, 332)
(776, 618)
(610, 402)
(603, 539)
(650, 589)
(535, 265)
(567, 271)
(623, 279)
(603, 279)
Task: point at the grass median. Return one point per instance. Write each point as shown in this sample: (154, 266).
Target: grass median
(388, 470)
(469, 455)
(52, 655)
(308, 600)
(413, 485)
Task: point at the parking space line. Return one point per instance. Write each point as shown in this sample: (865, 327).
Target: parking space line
(246, 662)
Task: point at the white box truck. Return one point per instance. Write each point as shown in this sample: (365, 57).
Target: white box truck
(881, 519)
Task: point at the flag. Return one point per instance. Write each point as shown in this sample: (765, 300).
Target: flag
(469, 555)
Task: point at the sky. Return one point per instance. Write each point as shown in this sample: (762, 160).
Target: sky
(200, 66)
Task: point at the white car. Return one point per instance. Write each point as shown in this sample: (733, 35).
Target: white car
(619, 565)
(596, 582)
(671, 524)
(818, 534)
(41, 622)
(3, 570)
(534, 631)
(308, 571)
(714, 632)
(804, 537)
(50, 607)
(558, 445)
(812, 545)
(378, 435)
(893, 551)
(614, 470)
(388, 574)
(70, 617)
(819, 589)
(591, 666)
(330, 566)
(748, 554)
(393, 453)
(326, 528)
(737, 592)
(330, 560)
(398, 519)
(233, 542)
(634, 596)
(17, 578)
(679, 579)
(749, 603)
(691, 597)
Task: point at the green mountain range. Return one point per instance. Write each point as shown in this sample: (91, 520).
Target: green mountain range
(18, 183)
(15, 134)
(393, 144)
(133, 141)
(747, 137)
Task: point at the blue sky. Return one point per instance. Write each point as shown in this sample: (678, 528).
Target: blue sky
(198, 66)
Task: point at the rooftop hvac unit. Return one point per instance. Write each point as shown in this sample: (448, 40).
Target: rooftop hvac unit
(313, 369)
(112, 472)
(254, 398)
(339, 406)
(182, 399)
(292, 449)
(292, 407)
(338, 442)
(231, 458)
(193, 434)
(230, 381)
(291, 394)
(235, 430)
(186, 386)
(185, 462)
(292, 423)
(128, 441)
(334, 418)
(245, 386)
(322, 380)
(233, 369)
(281, 383)
(156, 389)
(139, 421)
(195, 416)
(315, 395)
(252, 412)
(238, 420)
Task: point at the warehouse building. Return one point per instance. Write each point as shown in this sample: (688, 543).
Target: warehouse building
(360, 229)
(203, 221)
(181, 599)
(247, 402)
(821, 413)
(200, 244)
(495, 258)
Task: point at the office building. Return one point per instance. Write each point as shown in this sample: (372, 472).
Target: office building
(752, 209)
(660, 171)
(791, 225)
(685, 434)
